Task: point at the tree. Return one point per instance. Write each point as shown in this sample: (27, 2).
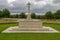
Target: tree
(57, 14)
(22, 15)
(16, 16)
(38, 17)
(33, 16)
(49, 15)
(6, 13)
(1, 14)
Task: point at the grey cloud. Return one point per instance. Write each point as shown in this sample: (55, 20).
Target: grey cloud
(36, 10)
(38, 0)
(45, 9)
(3, 4)
(56, 1)
(21, 6)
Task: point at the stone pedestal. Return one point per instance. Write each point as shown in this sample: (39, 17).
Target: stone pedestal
(30, 26)
(34, 23)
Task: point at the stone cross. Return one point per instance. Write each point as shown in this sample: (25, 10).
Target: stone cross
(29, 14)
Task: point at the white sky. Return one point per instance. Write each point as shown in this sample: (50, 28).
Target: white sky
(9, 1)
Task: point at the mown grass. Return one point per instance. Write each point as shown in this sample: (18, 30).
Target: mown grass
(8, 20)
(55, 26)
(29, 36)
(4, 26)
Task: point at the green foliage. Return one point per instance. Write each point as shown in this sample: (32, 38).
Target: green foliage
(38, 17)
(33, 15)
(16, 16)
(57, 14)
(4, 13)
(22, 15)
(49, 15)
(1, 14)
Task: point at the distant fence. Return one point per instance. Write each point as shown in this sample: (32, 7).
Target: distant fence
(9, 18)
(8, 22)
(18, 22)
(18, 18)
(52, 22)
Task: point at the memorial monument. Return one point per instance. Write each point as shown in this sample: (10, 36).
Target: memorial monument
(29, 25)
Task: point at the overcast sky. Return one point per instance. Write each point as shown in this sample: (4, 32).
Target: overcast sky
(37, 6)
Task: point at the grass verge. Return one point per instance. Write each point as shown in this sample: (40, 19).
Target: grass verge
(29, 36)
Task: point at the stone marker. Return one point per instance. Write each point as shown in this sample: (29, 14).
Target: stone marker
(29, 25)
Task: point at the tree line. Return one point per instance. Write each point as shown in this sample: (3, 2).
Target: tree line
(5, 13)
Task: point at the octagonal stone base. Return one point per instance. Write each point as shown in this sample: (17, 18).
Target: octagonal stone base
(30, 30)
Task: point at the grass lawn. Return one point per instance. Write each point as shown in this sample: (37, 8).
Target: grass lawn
(29, 36)
(7, 20)
(55, 26)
